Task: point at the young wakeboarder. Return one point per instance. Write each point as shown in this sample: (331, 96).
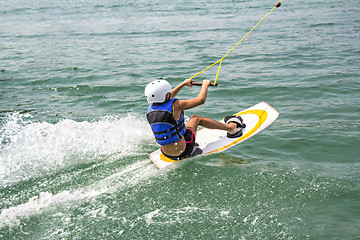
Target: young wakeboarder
(166, 118)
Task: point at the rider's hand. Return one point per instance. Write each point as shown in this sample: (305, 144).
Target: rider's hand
(206, 83)
(188, 82)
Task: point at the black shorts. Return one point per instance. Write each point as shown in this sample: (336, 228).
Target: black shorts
(190, 144)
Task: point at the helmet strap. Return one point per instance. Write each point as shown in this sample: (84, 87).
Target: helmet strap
(167, 97)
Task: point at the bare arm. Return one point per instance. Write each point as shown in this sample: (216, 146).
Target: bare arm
(177, 89)
(200, 99)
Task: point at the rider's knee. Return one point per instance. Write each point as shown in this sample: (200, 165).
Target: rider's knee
(195, 116)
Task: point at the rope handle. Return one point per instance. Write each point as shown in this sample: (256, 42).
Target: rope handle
(200, 84)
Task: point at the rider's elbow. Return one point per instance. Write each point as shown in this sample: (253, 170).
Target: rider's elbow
(202, 101)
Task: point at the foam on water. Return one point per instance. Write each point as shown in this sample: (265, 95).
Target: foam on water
(38, 204)
(33, 149)
(129, 176)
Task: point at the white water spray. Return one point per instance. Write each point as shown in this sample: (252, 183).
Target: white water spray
(34, 149)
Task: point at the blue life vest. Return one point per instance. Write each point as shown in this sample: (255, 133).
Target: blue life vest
(165, 128)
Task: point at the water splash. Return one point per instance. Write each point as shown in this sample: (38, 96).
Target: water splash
(33, 149)
(129, 176)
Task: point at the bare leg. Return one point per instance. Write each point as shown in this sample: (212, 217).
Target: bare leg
(196, 121)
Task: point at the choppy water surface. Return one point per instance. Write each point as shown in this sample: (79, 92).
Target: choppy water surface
(74, 139)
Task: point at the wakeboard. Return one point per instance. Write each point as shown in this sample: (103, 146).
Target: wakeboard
(256, 119)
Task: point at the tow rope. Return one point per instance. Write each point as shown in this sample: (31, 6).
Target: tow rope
(278, 4)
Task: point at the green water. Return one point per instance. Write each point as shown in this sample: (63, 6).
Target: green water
(74, 139)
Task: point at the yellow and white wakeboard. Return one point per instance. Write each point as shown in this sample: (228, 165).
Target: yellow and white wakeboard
(256, 118)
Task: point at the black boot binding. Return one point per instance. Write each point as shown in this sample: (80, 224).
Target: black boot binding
(240, 126)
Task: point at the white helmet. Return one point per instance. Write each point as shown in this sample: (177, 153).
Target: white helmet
(155, 92)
